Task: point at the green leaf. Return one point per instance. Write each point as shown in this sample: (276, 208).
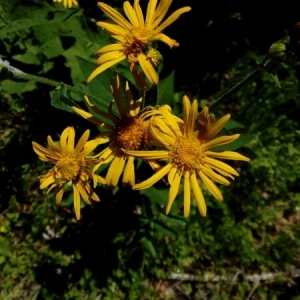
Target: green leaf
(148, 246)
(165, 90)
(243, 140)
(164, 230)
(12, 87)
(60, 100)
(233, 124)
(99, 86)
(156, 195)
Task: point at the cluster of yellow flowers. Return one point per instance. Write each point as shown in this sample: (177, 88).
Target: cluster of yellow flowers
(173, 147)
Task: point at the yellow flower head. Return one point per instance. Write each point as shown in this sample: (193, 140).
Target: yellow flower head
(136, 38)
(189, 154)
(71, 164)
(128, 131)
(68, 3)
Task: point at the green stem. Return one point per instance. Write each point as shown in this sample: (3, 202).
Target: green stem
(51, 82)
(261, 68)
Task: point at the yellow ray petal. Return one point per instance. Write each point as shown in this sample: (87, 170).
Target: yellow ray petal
(214, 176)
(212, 188)
(102, 113)
(222, 140)
(139, 77)
(153, 154)
(187, 194)
(153, 179)
(106, 57)
(173, 191)
(91, 192)
(82, 141)
(165, 39)
(174, 16)
(138, 12)
(63, 140)
(217, 127)
(216, 164)
(104, 67)
(45, 181)
(53, 146)
(161, 11)
(83, 192)
(71, 141)
(130, 14)
(150, 12)
(190, 124)
(118, 170)
(45, 154)
(76, 201)
(108, 48)
(148, 68)
(114, 15)
(198, 195)
(59, 194)
(171, 175)
(129, 169)
(227, 155)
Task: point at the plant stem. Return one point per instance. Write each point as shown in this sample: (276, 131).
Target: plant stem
(261, 68)
(51, 82)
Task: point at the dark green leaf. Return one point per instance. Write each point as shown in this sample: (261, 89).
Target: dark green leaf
(60, 100)
(164, 230)
(165, 90)
(148, 246)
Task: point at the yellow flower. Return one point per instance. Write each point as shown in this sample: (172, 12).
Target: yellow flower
(188, 154)
(68, 3)
(136, 38)
(71, 164)
(129, 131)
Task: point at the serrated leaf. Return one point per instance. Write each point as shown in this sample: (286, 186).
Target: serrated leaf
(243, 140)
(165, 90)
(60, 100)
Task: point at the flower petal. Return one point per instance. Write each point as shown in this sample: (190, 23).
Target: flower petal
(128, 175)
(214, 176)
(104, 67)
(174, 16)
(115, 15)
(130, 14)
(150, 12)
(190, 124)
(165, 39)
(108, 57)
(76, 201)
(219, 165)
(153, 154)
(138, 11)
(227, 155)
(198, 195)
(173, 191)
(59, 194)
(148, 68)
(63, 140)
(217, 127)
(153, 179)
(109, 48)
(212, 188)
(82, 141)
(171, 175)
(187, 194)
(222, 140)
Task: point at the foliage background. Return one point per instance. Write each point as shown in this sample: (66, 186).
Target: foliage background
(125, 247)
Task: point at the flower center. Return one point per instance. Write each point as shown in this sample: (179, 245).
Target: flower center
(186, 154)
(130, 133)
(67, 168)
(136, 41)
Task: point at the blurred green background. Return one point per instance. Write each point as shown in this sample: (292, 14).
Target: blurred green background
(125, 247)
